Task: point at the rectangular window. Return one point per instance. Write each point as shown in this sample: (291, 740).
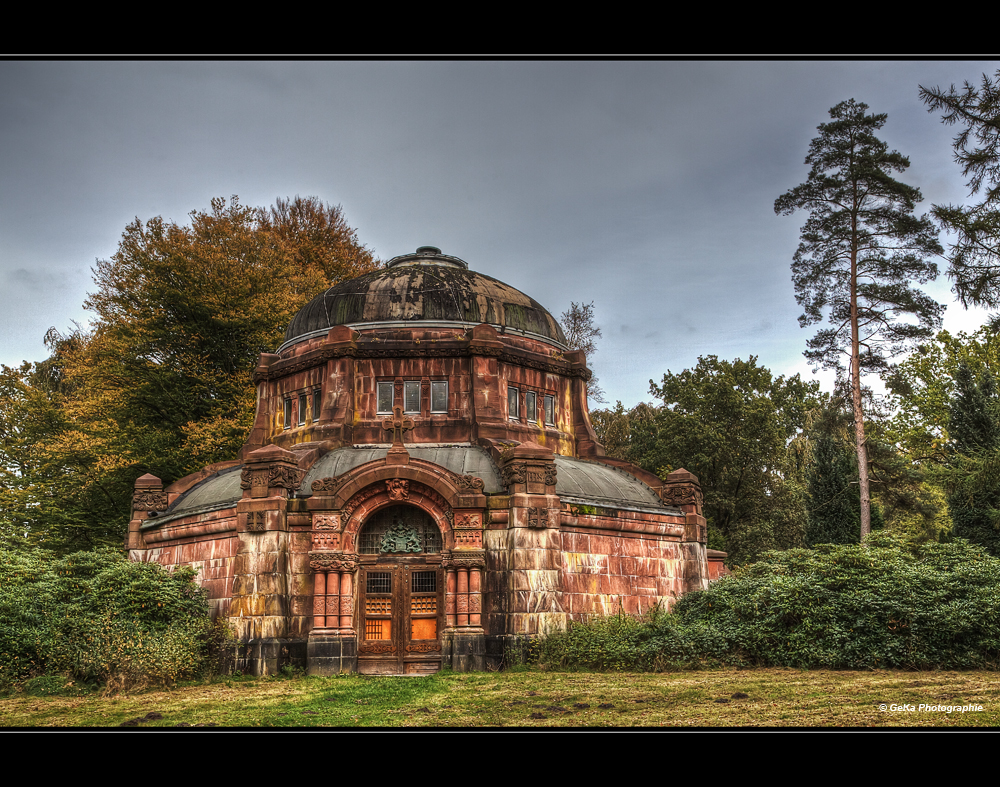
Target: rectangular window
(411, 397)
(512, 404)
(317, 404)
(385, 397)
(439, 397)
(550, 410)
(302, 409)
(531, 407)
(288, 413)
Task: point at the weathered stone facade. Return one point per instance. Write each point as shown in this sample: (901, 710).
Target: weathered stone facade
(422, 486)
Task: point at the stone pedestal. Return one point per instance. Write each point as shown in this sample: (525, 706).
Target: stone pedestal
(464, 649)
(331, 653)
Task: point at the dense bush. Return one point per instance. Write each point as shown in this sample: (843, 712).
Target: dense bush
(881, 604)
(96, 616)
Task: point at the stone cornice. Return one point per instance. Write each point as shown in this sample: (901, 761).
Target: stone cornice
(313, 358)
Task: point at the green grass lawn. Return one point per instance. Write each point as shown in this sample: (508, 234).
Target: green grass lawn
(711, 698)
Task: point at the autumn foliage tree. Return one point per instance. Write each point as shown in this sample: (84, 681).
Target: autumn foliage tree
(160, 382)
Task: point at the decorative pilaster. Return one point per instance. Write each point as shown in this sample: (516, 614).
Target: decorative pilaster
(534, 550)
(682, 489)
(261, 602)
(464, 641)
(333, 643)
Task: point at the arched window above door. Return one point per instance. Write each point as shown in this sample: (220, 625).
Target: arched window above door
(399, 531)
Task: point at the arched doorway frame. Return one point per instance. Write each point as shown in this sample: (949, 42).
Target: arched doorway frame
(342, 505)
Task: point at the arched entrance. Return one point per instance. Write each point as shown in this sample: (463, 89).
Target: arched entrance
(400, 593)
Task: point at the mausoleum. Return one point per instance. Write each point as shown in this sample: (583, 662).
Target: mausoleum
(422, 486)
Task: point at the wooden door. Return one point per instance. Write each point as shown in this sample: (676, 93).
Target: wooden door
(400, 617)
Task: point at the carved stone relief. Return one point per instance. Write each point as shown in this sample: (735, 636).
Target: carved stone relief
(398, 488)
(538, 517)
(149, 501)
(326, 521)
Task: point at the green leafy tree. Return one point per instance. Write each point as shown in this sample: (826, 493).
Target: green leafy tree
(861, 248)
(53, 489)
(975, 255)
(924, 384)
(974, 469)
(616, 427)
(730, 424)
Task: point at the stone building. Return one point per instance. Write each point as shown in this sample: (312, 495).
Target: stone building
(422, 486)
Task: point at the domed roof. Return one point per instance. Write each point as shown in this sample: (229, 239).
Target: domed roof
(425, 286)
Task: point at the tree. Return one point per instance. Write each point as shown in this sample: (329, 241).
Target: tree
(578, 326)
(730, 424)
(974, 470)
(861, 247)
(162, 381)
(833, 519)
(975, 255)
(616, 428)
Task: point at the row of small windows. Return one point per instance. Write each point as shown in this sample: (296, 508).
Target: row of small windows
(412, 395)
(530, 406)
(296, 408)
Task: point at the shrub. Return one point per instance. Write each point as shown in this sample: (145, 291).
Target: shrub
(882, 604)
(96, 616)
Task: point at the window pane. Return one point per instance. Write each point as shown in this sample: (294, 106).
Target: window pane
(317, 403)
(550, 410)
(302, 409)
(385, 397)
(530, 407)
(423, 581)
(288, 413)
(411, 397)
(512, 410)
(439, 397)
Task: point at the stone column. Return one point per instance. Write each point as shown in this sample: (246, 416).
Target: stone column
(534, 546)
(682, 489)
(319, 600)
(261, 605)
(333, 646)
(464, 641)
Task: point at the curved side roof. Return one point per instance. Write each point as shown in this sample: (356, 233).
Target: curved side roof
(577, 480)
(593, 483)
(214, 493)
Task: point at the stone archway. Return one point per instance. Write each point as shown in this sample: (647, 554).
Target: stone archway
(374, 607)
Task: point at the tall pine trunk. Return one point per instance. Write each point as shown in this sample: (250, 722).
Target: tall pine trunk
(859, 415)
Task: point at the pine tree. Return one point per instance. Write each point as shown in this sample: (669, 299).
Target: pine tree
(833, 501)
(861, 247)
(975, 256)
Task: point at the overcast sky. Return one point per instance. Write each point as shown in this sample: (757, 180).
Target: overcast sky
(646, 187)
